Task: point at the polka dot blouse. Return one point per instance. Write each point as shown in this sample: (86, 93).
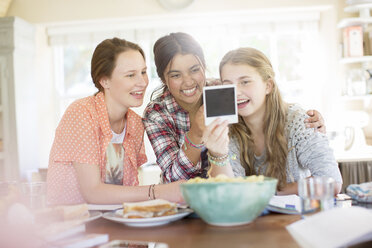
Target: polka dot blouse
(82, 137)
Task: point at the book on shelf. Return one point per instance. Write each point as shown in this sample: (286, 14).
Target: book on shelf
(353, 41)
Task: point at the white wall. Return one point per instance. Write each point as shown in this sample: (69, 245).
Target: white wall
(45, 11)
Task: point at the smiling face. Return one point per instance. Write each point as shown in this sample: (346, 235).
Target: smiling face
(126, 86)
(251, 88)
(185, 79)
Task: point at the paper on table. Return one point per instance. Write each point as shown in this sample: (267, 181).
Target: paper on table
(286, 202)
(104, 207)
(62, 230)
(333, 228)
(86, 240)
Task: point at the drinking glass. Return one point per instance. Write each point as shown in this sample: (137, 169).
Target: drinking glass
(7, 188)
(34, 194)
(317, 194)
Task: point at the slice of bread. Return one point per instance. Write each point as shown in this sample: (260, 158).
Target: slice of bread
(62, 213)
(148, 209)
(71, 212)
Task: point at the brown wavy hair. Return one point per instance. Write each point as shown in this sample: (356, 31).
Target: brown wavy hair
(276, 144)
(104, 58)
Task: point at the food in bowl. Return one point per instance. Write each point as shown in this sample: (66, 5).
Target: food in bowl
(224, 201)
(148, 209)
(226, 179)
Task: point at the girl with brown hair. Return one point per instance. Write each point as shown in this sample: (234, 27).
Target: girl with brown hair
(174, 120)
(98, 145)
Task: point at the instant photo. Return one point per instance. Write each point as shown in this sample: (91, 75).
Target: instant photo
(220, 102)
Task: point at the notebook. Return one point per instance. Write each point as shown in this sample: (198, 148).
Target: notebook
(337, 227)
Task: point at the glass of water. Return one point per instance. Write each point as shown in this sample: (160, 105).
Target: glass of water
(317, 194)
(34, 194)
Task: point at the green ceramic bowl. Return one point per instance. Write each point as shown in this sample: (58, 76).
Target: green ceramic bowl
(229, 203)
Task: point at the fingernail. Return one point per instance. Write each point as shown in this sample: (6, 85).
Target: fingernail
(307, 125)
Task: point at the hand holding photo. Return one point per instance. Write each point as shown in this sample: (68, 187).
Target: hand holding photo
(220, 102)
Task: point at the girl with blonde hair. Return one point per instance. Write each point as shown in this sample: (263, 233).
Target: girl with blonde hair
(271, 137)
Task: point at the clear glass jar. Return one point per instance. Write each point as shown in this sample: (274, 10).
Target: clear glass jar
(369, 82)
(356, 83)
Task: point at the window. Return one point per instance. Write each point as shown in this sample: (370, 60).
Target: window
(288, 39)
(72, 74)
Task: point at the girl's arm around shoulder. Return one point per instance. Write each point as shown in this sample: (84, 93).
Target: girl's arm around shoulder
(315, 120)
(312, 149)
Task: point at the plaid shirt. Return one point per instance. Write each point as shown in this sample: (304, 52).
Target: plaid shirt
(166, 124)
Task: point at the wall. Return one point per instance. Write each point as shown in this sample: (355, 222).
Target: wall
(45, 11)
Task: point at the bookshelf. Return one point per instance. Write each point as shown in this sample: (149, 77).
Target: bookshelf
(354, 21)
(351, 60)
(361, 44)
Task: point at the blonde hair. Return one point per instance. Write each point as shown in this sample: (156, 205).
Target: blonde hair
(274, 119)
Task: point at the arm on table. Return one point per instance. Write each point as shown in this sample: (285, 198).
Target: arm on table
(96, 192)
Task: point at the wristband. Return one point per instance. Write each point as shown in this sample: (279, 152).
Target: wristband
(188, 141)
(220, 158)
(153, 192)
(219, 161)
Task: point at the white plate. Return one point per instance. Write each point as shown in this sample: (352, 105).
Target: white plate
(144, 222)
(93, 215)
(103, 207)
(63, 229)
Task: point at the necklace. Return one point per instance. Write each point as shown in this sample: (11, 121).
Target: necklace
(121, 126)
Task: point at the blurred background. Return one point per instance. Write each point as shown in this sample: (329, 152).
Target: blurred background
(320, 51)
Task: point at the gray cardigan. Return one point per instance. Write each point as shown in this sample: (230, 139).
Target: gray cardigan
(309, 152)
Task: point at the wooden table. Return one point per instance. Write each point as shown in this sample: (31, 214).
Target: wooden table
(265, 231)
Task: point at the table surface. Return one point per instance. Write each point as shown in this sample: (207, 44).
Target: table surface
(265, 231)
